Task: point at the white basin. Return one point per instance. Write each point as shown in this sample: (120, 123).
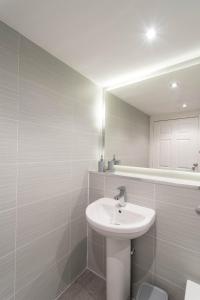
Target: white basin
(119, 225)
(129, 222)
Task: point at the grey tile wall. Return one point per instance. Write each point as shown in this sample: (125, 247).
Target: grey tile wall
(169, 253)
(127, 132)
(49, 138)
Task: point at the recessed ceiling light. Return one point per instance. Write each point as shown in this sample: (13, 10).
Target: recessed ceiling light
(151, 34)
(184, 105)
(174, 85)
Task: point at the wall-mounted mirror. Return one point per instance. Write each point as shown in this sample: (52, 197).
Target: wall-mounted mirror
(155, 122)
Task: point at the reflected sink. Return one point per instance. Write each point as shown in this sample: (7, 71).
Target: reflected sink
(109, 219)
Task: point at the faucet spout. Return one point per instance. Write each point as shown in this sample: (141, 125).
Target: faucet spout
(122, 197)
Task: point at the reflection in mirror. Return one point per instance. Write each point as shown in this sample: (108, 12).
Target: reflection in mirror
(155, 122)
(126, 132)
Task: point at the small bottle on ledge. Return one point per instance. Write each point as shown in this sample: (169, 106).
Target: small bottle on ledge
(101, 164)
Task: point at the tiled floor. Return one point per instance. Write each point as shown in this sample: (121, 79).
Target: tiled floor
(87, 287)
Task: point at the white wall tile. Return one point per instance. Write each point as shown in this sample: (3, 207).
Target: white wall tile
(39, 143)
(7, 266)
(177, 264)
(8, 180)
(178, 225)
(42, 105)
(9, 98)
(37, 219)
(8, 141)
(178, 196)
(7, 231)
(96, 258)
(35, 258)
(42, 181)
(49, 284)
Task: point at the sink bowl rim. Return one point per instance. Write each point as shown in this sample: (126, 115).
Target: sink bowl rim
(138, 228)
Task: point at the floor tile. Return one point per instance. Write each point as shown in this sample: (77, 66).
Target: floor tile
(87, 287)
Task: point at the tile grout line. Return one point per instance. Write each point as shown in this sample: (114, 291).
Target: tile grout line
(88, 197)
(39, 274)
(95, 273)
(44, 235)
(73, 281)
(17, 175)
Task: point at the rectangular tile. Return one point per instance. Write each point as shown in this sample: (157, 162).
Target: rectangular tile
(7, 231)
(95, 195)
(78, 259)
(96, 181)
(78, 203)
(86, 118)
(8, 141)
(78, 253)
(80, 174)
(87, 287)
(39, 66)
(39, 218)
(39, 143)
(78, 232)
(176, 263)
(144, 256)
(144, 190)
(96, 258)
(43, 106)
(95, 237)
(7, 267)
(9, 38)
(49, 284)
(146, 202)
(174, 291)
(8, 180)
(9, 48)
(42, 181)
(178, 196)
(86, 146)
(43, 252)
(177, 224)
(9, 96)
(119, 128)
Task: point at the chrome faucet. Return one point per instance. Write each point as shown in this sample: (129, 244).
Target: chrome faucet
(122, 197)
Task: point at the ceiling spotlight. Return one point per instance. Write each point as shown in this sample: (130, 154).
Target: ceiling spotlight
(174, 85)
(184, 105)
(151, 34)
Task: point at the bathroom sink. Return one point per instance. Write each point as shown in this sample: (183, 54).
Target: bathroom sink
(109, 219)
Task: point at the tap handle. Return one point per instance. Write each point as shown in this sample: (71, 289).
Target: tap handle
(122, 188)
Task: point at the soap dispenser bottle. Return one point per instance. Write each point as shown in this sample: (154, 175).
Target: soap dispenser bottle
(101, 164)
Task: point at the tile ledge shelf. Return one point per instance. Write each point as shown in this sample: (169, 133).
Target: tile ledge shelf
(168, 177)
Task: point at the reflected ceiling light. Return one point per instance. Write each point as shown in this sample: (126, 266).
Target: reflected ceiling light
(184, 105)
(174, 85)
(165, 67)
(151, 34)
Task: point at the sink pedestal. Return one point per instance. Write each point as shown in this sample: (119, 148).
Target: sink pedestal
(118, 269)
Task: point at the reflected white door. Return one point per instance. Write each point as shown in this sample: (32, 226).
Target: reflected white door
(176, 144)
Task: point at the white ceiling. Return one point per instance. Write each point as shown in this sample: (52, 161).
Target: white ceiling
(155, 95)
(104, 39)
